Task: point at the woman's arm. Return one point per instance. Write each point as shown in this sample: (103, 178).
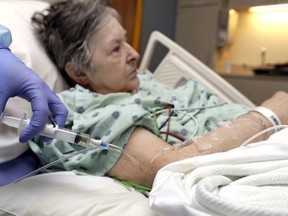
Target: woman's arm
(147, 148)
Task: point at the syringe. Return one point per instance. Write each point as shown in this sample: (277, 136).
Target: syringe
(53, 131)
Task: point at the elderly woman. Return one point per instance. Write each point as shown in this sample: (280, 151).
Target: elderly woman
(112, 101)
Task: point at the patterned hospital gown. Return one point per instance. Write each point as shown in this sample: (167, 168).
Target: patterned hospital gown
(113, 117)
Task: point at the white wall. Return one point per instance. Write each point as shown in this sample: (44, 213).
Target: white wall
(248, 33)
(256, 30)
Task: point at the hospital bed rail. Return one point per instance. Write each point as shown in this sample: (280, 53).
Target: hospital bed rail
(178, 66)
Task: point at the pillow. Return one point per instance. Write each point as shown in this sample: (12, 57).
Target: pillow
(16, 16)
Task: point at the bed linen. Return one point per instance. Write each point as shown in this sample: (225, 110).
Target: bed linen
(64, 193)
(249, 180)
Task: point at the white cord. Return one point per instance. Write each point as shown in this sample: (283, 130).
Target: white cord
(277, 127)
(195, 122)
(7, 213)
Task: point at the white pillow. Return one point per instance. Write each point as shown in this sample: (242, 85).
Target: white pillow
(16, 15)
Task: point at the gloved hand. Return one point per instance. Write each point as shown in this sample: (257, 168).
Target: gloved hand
(5, 36)
(16, 79)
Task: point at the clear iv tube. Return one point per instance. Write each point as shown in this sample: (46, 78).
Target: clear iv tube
(51, 164)
(94, 147)
(95, 142)
(278, 127)
(171, 148)
(117, 148)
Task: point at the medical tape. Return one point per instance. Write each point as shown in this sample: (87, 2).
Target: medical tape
(199, 147)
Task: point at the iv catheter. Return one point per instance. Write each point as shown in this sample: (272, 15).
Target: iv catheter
(54, 131)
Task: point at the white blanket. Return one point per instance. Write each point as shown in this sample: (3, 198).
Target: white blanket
(250, 180)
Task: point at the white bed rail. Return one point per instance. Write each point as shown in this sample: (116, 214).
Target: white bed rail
(179, 65)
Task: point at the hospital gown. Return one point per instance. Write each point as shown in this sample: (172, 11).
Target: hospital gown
(113, 117)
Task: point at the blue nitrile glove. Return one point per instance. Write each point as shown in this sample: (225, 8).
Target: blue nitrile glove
(16, 79)
(5, 37)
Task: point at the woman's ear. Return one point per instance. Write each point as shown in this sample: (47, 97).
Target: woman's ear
(81, 79)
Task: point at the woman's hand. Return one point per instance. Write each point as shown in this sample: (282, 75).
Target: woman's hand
(278, 103)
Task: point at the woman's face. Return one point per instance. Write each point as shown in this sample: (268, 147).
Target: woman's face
(114, 61)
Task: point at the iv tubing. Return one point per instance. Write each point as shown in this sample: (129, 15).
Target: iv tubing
(117, 148)
(189, 108)
(155, 112)
(263, 132)
(51, 164)
(171, 148)
(110, 146)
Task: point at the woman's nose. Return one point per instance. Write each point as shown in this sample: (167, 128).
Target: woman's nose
(133, 54)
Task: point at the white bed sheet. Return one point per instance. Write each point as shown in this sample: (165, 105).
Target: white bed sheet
(64, 193)
(250, 180)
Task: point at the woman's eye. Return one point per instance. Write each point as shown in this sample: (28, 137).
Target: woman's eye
(116, 49)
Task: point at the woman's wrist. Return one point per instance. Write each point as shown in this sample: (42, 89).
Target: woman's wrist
(269, 114)
(261, 121)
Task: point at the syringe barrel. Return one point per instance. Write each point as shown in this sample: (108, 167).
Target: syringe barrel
(82, 139)
(49, 130)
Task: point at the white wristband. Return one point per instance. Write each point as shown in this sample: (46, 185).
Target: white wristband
(269, 114)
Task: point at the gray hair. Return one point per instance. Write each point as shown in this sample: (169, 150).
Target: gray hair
(65, 29)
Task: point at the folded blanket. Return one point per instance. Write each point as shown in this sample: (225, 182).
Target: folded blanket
(250, 180)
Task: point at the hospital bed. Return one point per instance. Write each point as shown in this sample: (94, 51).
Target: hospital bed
(178, 65)
(103, 196)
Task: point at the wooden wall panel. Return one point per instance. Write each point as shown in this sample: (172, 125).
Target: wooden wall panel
(131, 18)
